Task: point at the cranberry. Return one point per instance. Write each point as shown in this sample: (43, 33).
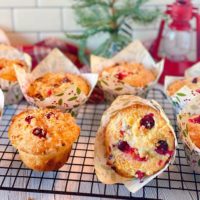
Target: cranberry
(147, 121)
(124, 146)
(139, 174)
(65, 80)
(138, 158)
(195, 120)
(198, 90)
(195, 80)
(121, 75)
(171, 153)
(160, 162)
(28, 119)
(39, 132)
(49, 92)
(48, 115)
(162, 147)
(122, 133)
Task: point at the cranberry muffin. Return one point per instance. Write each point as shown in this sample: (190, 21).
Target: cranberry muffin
(7, 71)
(133, 74)
(43, 137)
(193, 129)
(192, 83)
(56, 83)
(139, 141)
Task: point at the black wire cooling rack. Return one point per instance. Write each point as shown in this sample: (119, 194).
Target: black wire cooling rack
(77, 176)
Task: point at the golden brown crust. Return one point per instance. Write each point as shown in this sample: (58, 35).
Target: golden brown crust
(57, 83)
(133, 74)
(139, 152)
(193, 126)
(48, 162)
(44, 135)
(192, 83)
(7, 71)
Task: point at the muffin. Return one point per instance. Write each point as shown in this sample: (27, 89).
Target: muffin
(9, 58)
(52, 84)
(43, 137)
(192, 83)
(7, 71)
(189, 126)
(193, 129)
(133, 74)
(138, 141)
(56, 83)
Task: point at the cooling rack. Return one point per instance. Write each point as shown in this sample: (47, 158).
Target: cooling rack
(77, 176)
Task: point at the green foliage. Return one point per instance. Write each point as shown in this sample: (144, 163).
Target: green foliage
(108, 17)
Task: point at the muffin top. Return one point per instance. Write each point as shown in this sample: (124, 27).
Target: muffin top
(56, 83)
(7, 71)
(193, 128)
(133, 74)
(139, 142)
(192, 83)
(42, 131)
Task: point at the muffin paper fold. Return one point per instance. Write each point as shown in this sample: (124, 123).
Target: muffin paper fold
(193, 71)
(56, 62)
(12, 90)
(134, 52)
(104, 172)
(1, 103)
(191, 150)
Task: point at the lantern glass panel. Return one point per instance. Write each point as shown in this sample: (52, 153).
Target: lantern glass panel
(177, 44)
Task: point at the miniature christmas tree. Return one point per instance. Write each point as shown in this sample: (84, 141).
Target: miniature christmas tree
(109, 17)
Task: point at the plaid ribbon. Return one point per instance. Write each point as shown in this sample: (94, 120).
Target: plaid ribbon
(41, 49)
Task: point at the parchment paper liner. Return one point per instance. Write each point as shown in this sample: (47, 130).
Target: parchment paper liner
(104, 173)
(12, 90)
(1, 103)
(56, 62)
(134, 52)
(191, 150)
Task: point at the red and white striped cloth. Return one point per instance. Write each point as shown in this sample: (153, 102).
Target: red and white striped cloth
(41, 49)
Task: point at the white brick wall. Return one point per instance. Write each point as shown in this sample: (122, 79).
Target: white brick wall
(17, 3)
(27, 21)
(37, 19)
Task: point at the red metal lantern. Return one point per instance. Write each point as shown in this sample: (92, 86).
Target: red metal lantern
(177, 39)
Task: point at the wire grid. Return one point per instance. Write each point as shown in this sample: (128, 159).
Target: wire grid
(77, 176)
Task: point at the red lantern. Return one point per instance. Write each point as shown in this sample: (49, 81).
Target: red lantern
(177, 40)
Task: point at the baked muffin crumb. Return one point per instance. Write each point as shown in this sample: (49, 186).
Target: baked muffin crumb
(139, 142)
(55, 84)
(43, 134)
(133, 74)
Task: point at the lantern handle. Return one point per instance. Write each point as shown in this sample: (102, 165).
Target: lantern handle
(156, 44)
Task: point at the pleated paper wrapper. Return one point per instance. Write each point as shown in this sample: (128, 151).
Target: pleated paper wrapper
(1, 103)
(104, 172)
(133, 53)
(191, 150)
(68, 101)
(185, 94)
(11, 90)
